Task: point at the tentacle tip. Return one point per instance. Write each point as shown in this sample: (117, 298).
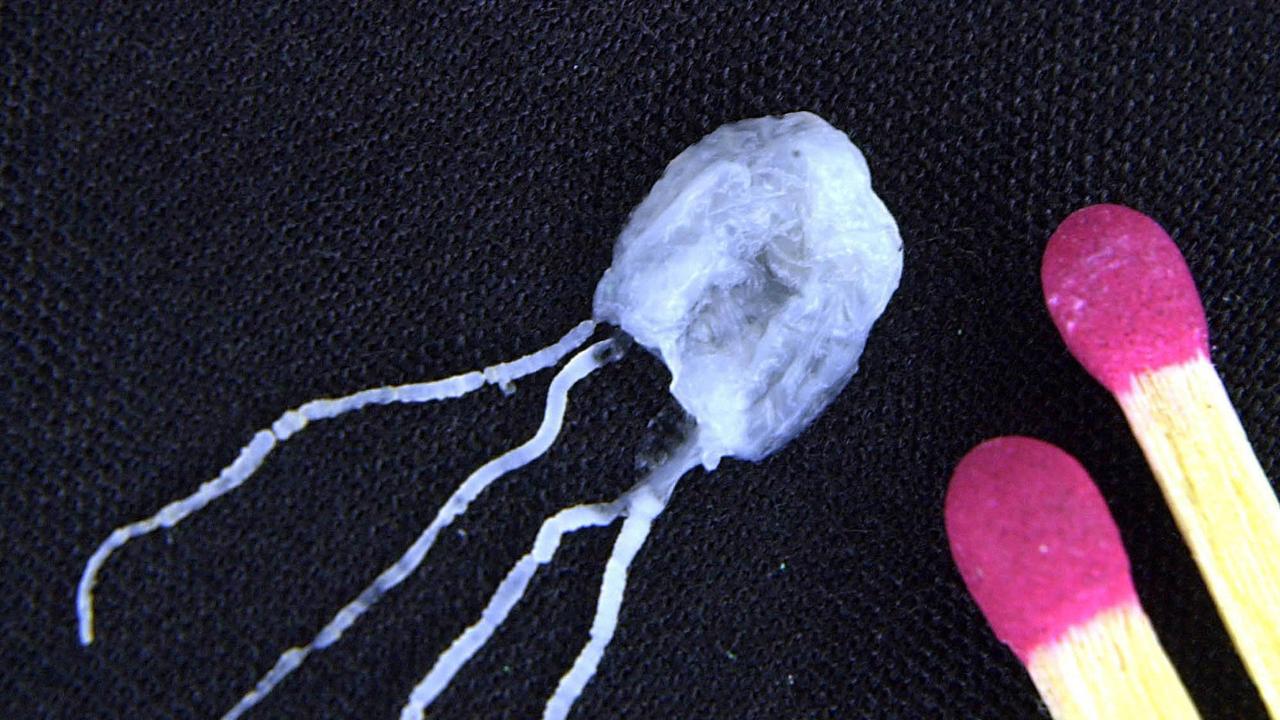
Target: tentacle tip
(84, 619)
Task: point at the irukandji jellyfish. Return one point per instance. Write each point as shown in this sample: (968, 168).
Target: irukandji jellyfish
(754, 270)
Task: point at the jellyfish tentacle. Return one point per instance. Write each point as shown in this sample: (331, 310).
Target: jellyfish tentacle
(509, 592)
(581, 365)
(548, 356)
(608, 606)
(288, 424)
(643, 504)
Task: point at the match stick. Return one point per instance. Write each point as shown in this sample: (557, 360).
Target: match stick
(1043, 559)
(1124, 301)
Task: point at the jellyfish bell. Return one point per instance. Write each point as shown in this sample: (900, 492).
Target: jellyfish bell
(754, 270)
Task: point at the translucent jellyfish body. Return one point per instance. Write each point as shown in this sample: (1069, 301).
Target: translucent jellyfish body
(754, 269)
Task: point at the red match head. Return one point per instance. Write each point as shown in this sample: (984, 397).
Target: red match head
(1034, 541)
(1121, 295)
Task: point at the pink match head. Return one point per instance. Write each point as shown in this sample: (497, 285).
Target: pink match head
(1121, 295)
(1034, 541)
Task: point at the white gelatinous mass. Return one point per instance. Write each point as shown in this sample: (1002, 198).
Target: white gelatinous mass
(755, 269)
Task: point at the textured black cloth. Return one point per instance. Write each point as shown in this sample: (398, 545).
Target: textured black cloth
(212, 216)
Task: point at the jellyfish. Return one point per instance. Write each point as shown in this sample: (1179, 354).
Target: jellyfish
(753, 270)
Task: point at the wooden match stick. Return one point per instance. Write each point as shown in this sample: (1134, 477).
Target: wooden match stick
(1043, 559)
(1124, 301)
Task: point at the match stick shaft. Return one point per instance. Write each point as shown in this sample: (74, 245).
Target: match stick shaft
(1110, 668)
(1222, 502)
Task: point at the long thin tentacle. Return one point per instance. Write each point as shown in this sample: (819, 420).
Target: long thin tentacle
(643, 505)
(504, 599)
(579, 367)
(264, 441)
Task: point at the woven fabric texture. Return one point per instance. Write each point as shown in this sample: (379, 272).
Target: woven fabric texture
(209, 216)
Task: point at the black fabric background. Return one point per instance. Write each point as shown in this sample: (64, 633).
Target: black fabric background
(211, 216)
